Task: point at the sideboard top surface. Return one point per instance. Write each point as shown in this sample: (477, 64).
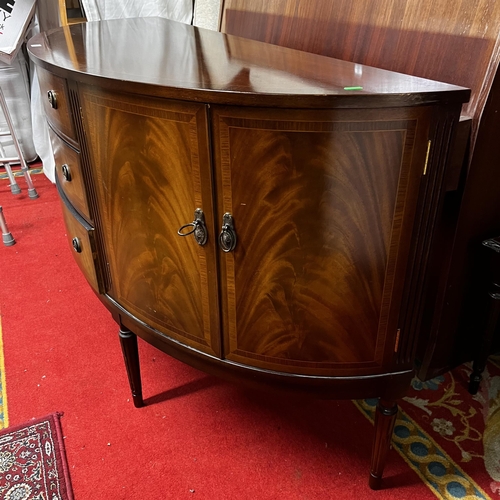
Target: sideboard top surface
(179, 60)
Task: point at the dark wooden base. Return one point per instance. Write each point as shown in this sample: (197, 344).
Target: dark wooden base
(475, 380)
(385, 418)
(487, 339)
(128, 341)
(491, 249)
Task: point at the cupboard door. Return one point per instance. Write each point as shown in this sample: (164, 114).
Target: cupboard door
(322, 204)
(150, 166)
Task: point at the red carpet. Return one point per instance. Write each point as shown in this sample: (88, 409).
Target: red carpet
(198, 437)
(32, 461)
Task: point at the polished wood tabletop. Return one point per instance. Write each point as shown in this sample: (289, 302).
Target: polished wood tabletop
(193, 63)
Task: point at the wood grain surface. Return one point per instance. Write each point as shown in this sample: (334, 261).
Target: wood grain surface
(74, 188)
(60, 117)
(152, 172)
(324, 201)
(87, 257)
(317, 204)
(451, 41)
(156, 56)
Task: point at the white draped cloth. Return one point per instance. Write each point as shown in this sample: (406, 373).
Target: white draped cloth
(46, 17)
(177, 10)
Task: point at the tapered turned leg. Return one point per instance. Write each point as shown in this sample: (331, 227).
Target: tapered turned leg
(128, 341)
(7, 238)
(385, 417)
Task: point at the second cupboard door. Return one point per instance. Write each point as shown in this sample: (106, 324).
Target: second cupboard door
(151, 169)
(322, 204)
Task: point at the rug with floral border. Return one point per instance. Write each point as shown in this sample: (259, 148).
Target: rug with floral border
(33, 462)
(449, 437)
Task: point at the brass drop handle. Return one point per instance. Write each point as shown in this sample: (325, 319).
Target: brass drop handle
(227, 236)
(77, 245)
(197, 228)
(51, 96)
(66, 172)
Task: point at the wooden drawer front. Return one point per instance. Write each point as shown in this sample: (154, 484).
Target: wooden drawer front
(81, 239)
(69, 174)
(58, 113)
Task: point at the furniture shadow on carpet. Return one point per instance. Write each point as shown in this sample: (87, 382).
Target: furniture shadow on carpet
(183, 390)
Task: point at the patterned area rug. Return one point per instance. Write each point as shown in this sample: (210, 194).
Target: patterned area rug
(450, 438)
(18, 173)
(32, 462)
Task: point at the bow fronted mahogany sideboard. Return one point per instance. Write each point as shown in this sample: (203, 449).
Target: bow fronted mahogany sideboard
(257, 212)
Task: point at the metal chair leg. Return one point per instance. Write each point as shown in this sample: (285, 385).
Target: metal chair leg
(7, 238)
(14, 186)
(24, 167)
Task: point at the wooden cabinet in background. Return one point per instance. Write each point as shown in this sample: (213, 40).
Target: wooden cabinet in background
(251, 208)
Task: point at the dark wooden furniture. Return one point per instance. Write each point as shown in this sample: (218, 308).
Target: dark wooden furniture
(447, 40)
(246, 208)
(491, 255)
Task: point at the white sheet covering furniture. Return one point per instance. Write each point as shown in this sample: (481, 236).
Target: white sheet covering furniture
(15, 85)
(177, 10)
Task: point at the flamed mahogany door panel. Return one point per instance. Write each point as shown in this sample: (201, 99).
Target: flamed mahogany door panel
(152, 171)
(318, 200)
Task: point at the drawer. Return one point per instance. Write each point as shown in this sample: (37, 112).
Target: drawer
(81, 238)
(56, 103)
(69, 174)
